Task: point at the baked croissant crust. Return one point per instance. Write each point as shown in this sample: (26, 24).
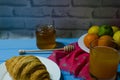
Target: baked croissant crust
(26, 68)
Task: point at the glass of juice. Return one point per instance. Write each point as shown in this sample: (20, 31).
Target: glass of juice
(104, 60)
(45, 37)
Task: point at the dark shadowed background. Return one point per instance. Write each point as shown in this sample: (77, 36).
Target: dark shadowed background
(71, 18)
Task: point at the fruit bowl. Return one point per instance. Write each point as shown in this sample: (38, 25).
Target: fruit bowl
(106, 32)
(81, 43)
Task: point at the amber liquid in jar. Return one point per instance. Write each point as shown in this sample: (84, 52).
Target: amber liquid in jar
(45, 37)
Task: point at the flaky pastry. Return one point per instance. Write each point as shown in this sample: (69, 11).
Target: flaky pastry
(26, 68)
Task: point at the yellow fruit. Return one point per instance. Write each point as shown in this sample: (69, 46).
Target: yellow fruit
(115, 28)
(93, 29)
(116, 37)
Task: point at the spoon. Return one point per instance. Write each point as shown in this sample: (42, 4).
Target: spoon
(65, 48)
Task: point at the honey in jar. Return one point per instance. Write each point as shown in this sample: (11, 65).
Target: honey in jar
(45, 37)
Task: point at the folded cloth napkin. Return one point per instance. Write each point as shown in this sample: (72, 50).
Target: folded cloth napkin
(76, 62)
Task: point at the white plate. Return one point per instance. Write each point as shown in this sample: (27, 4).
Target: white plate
(81, 43)
(52, 68)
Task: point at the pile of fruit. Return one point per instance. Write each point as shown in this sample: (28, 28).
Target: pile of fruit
(106, 32)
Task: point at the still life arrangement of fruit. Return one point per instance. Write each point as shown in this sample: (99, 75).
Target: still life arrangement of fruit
(106, 32)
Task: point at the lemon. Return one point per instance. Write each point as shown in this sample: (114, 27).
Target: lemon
(93, 29)
(105, 30)
(116, 37)
(115, 28)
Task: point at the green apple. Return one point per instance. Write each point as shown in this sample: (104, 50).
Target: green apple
(105, 30)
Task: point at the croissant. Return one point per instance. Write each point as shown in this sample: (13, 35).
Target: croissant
(26, 68)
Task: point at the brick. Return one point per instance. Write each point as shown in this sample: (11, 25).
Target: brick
(31, 23)
(78, 33)
(72, 12)
(6, 11)
(118, 13)
(111, 3)
(4, 34)
(105, 12)
(106, 21)
(11, 23)
(33, 12)
(51, 2)
(84, 12)
(60, 12)
(86, 2)
(13, 2)
(64, 33)
(70, 33)
(21, 33)
(71, 23)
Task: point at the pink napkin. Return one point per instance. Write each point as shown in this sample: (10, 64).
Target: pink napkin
(75, 62)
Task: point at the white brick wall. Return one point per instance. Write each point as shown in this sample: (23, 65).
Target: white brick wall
(71, 18)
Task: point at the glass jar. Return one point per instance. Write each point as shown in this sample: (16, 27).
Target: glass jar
(45, 37)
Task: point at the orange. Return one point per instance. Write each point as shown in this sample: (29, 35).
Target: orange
(89, 38)
(105, 40)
